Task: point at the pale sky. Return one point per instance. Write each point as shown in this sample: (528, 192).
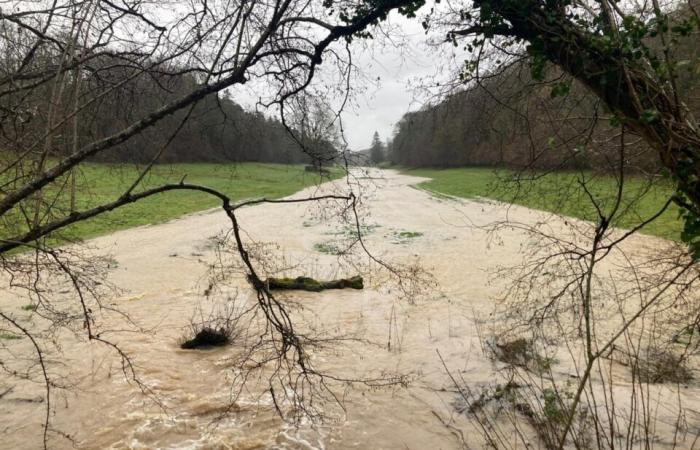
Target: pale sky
(393, 67)
(405, 64)
(400, 69)
(393, 64)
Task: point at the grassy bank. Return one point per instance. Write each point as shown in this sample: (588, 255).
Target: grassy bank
(562, 193)
(100, 183)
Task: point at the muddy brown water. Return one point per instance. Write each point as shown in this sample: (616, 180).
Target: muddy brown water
(162, 273)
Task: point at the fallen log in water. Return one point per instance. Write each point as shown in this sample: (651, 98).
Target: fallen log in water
(310, 284)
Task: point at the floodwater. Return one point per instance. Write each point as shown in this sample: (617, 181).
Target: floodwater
(162, 272)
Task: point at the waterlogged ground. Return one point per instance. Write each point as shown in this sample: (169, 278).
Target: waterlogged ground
(162, 273)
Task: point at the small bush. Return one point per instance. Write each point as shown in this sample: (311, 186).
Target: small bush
(658, 365)
(521, 352)
(552, 410)
(216, 328)
(208, 337)
(687, 335)
(544, 409)
(505, 393)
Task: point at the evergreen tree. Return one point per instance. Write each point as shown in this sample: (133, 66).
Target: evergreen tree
(376, 151)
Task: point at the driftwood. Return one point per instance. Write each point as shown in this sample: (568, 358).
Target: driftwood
(309, 284)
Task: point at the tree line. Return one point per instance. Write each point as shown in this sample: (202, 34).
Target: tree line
(215, 129)
(510, 118)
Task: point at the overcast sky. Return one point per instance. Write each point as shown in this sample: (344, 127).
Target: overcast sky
(400, 69)
(393, 67)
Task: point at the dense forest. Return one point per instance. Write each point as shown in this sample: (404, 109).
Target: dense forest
(215, 129)
(510, 119)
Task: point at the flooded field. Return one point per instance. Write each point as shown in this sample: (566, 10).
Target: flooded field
(186, 399)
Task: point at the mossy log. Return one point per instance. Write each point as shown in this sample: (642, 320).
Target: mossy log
(309, 284)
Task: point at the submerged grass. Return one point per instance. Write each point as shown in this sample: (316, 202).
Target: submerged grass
(328, 248)
(409, 234)
(561, 192)
(350, 231)
(9, 336)
(403, 236)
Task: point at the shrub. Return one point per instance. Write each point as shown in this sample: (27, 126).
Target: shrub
(216, 328)
(520, 352)
(659, 365)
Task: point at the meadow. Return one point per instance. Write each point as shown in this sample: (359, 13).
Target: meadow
(562, 193)
(101, 183)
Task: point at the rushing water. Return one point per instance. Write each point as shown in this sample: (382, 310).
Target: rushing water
(186, 400)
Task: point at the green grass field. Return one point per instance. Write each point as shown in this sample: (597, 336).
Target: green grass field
(100, 183)
(561, 192)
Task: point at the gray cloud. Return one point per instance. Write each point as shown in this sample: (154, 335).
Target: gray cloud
(396, 65)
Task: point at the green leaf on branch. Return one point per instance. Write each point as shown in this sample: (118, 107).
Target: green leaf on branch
(560, 89)
(649, 116)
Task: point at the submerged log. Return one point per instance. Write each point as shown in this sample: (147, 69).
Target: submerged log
(310, 284)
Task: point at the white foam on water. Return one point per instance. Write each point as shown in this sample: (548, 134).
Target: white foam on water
(297, 442)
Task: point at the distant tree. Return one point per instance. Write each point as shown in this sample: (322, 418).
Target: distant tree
(376, 150)
(312, 125)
